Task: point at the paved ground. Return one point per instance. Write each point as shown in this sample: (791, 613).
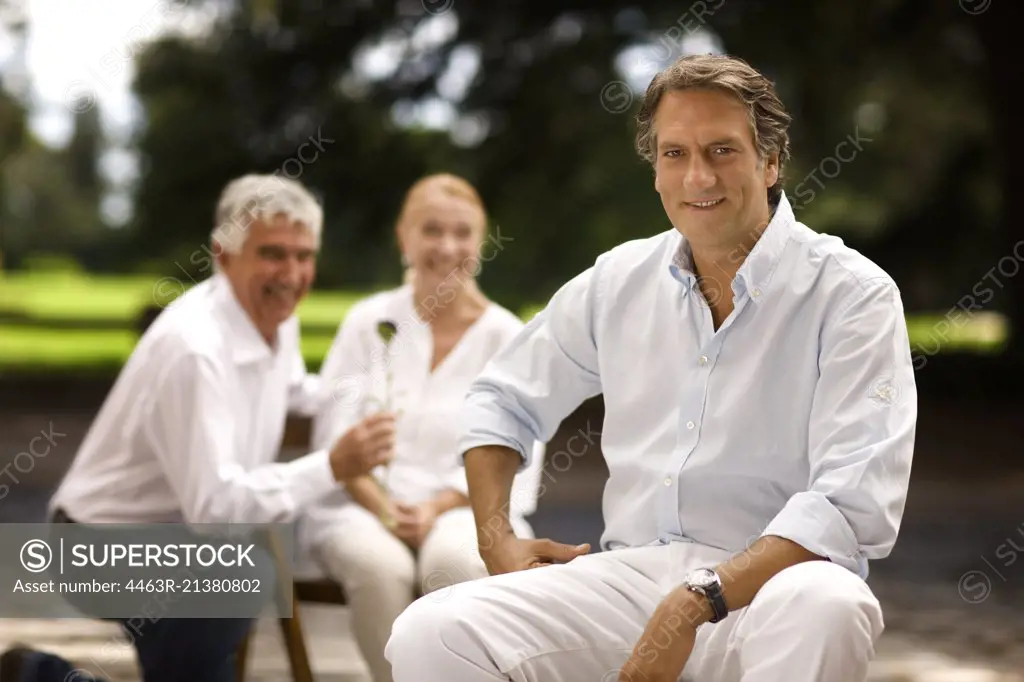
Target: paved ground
(951, 590)
(96, 647)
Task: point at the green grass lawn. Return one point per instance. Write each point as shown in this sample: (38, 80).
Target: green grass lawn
(80, 297)
(35, 348)
(72, 296)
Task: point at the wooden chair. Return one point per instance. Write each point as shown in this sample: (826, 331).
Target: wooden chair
(322, 591)
(309, 591)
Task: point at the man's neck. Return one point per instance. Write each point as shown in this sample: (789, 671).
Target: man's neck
(720, 266)
(722, 263)
(270, 337)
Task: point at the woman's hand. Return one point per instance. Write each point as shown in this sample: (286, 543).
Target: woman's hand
(414, 522)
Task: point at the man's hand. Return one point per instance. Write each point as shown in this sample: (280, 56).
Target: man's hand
(667, 642)
(414, 522)
(367, 445)
(508, 554)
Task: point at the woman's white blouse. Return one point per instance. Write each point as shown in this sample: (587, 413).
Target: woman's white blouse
(356, 373)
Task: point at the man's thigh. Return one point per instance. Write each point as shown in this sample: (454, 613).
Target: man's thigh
(192, 649)
(578, 621)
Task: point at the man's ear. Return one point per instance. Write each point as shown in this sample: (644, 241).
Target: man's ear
(771, 169)
(222, 256)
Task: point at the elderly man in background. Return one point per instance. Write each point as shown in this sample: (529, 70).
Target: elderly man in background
(191, 429)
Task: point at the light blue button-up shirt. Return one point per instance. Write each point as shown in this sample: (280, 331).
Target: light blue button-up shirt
(796, 418)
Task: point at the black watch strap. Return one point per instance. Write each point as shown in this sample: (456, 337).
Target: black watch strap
(717, 600)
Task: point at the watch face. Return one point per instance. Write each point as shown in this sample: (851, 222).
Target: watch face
(702, 578)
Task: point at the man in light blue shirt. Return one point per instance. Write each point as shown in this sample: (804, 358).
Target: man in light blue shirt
(760, 413)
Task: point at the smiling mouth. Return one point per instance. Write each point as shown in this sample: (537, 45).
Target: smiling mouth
(704, 204)
(439, 266)
(281, 295)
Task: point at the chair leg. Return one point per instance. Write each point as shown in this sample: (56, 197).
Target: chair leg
(295, 643)
(291, 628)
(241, 658)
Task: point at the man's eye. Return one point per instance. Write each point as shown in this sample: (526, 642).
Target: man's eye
(272, 254)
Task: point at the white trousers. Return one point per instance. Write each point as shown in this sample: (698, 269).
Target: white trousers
(579, 622)
(381, 574)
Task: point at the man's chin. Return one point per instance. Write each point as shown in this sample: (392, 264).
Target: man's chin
(278, 313)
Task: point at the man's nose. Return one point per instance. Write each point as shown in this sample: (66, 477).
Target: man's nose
(699, 174)
(291, 272)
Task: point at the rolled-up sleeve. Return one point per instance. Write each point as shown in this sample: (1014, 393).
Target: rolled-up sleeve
(861, 437)
(540, 376)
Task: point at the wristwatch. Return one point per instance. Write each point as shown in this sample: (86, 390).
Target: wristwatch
(706, 582)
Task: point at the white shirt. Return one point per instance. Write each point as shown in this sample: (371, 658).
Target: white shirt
(427, 402)
(192, 427)
(796, 418)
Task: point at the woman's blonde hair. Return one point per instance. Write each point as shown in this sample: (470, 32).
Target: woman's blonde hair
(447, 183)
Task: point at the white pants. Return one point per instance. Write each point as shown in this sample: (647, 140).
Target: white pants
(579, 622)
(381, 574)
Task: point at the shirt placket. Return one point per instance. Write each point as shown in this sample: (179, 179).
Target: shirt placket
(692, 404)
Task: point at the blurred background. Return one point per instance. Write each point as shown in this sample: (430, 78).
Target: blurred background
(121, 120)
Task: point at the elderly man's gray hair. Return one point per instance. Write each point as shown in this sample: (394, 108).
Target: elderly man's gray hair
(261, 197)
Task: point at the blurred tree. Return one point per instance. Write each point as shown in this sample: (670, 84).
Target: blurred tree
(12, 112)
(82, 155)
(539, 116)
(12, 125)
(46, 211)
(1003, 81)
(12, 136)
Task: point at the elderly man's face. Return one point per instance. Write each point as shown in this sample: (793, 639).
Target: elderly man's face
(711, 182)
(273, 272)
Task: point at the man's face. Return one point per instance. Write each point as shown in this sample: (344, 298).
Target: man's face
(711, 182)
(273, 272)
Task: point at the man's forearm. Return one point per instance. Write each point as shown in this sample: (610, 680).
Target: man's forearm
(449, 499)
(490, 471)
(367, 492)
(746, 573)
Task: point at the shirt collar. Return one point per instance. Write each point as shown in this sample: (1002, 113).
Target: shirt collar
(756, 271)
(247, 344)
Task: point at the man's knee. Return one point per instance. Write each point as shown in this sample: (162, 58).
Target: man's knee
(431, 629)
(823, 593)
(417, 632)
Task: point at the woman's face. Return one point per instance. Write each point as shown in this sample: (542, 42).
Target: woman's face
(441, 237)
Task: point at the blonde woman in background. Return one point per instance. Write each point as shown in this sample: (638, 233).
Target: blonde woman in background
(413, 351)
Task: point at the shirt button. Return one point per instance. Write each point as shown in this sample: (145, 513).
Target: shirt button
(703, 360)
(755, 293)
(690, 425)
(668, 482)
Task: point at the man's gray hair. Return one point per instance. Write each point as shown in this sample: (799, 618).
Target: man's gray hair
(261, 197)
